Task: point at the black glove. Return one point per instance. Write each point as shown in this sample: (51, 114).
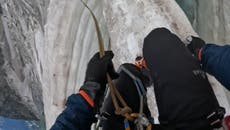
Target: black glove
(95, 79)
(98, 67)
(196, 44)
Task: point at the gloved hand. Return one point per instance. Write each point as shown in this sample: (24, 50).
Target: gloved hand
(195, 45)
(95, 79)
(98, 67)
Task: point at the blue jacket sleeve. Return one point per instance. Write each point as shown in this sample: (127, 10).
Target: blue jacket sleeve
(78, 115)
(216, 61)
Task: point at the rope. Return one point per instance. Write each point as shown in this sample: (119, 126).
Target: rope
(126, 111)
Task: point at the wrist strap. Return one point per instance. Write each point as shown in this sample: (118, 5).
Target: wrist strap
(200, 54)
(87, 98)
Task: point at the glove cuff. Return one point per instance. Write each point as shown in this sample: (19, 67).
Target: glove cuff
(199, 55)
(89, 92)
(86, 97)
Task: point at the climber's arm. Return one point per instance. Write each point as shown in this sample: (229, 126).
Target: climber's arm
(215, 60)
(78, 115)
(80, 108)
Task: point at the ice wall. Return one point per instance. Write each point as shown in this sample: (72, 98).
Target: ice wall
(45, 46)
(21, 28)
(210, 19)
(129, 21)
(71, 41)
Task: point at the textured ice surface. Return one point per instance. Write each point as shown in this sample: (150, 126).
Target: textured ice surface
(210, 18)
(21, 30)
(45, 46)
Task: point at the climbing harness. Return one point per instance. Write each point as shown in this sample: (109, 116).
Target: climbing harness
(140, 119)
(124, 111)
